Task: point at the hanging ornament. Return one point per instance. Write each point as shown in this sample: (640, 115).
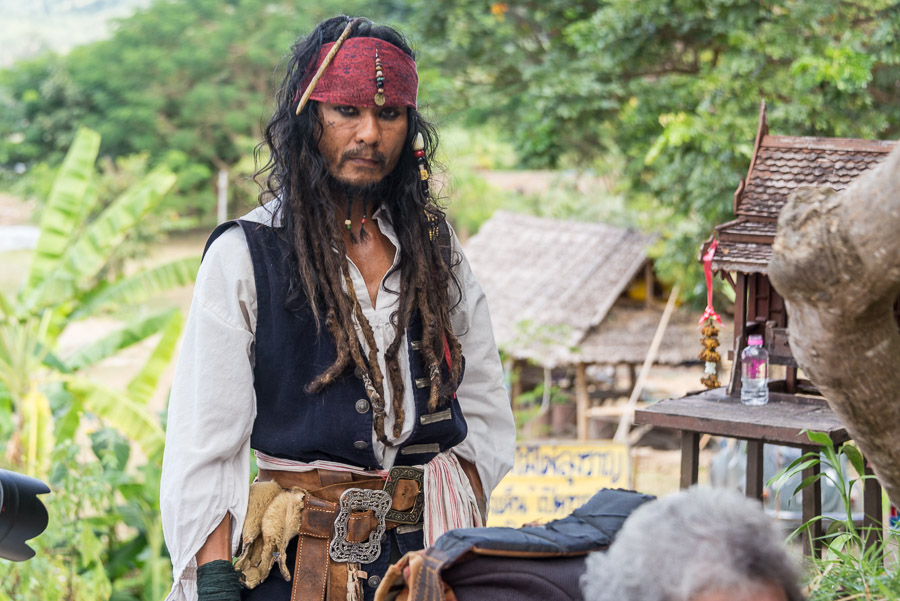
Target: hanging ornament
(379, 81)
(363, 234)
(419, 153)
(709, 355)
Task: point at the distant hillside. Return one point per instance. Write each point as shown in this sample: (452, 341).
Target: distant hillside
(30, 27)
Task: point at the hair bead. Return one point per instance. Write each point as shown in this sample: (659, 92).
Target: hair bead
(379, 81)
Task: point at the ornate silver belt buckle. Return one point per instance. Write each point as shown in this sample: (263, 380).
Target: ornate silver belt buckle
(414, 513)
(358, 499)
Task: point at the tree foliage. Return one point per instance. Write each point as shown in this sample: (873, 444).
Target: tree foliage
(662, 93)
(669, 88)
(186, 82)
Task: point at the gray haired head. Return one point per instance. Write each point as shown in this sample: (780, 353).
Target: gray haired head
(703, 543)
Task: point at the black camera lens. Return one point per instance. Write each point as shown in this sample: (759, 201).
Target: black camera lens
(22, 515)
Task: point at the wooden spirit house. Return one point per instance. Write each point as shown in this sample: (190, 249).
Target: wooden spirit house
(779, 165)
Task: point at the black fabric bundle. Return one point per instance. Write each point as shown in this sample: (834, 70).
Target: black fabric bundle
(218, 581)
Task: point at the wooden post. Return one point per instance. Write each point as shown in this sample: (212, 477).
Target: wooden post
(516, 388)
(582, 401)
(790, 380)
(754, 488)
(872, 510)
(740, 311)
(690, 458)
(627, 419)
(648, 284)
(812, 506)
(740, 334)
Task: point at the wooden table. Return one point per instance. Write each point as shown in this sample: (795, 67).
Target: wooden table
(781, 422)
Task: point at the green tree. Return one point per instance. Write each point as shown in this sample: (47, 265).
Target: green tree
(48, 404)
(186, 81)
(666, 91)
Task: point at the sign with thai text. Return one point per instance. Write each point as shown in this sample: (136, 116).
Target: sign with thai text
(549, 480)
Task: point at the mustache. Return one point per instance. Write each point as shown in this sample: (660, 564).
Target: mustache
(360, 153)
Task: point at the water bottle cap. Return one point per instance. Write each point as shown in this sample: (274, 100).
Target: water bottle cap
(755, 340)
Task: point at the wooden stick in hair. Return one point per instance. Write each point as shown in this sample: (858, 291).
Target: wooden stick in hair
(328, 58)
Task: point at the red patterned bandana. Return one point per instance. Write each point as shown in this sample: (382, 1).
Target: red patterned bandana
(351, 77)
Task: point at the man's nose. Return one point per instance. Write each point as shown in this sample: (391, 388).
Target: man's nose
(368, 131)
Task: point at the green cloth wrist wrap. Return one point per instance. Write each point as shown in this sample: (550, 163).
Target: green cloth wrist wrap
(218, 581)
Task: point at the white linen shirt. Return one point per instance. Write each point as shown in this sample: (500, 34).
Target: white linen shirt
(212, 407)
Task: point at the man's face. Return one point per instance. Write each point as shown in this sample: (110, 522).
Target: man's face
(767, 591)
(361, 145)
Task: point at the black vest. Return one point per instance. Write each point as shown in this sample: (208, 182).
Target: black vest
(335, 424)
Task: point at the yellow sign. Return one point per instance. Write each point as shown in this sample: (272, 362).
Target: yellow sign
(549, 480)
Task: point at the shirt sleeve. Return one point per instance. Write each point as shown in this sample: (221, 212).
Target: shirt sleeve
(482, 395)
(206, 463)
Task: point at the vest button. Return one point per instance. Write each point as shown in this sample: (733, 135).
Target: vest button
(362, 445)
(374, 581)
(362, 405)
(358, 373)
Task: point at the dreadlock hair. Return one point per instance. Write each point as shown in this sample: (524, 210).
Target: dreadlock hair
(297, 177)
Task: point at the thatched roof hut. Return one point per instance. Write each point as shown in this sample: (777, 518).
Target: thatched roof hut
(558, 292)
(567, 293)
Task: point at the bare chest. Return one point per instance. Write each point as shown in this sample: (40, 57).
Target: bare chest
(373, 257)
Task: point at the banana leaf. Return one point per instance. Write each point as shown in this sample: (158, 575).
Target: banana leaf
(135, 421)
(90, 252)
(66, 207)
(142, 387)
(132, 333)
(66, 422)
(37, 432)
(139, 287)
(23, 348)
(6, 308)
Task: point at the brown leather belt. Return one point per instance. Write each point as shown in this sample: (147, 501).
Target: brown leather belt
(334, 523)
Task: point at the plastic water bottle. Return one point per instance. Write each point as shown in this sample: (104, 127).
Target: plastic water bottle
(754, 372)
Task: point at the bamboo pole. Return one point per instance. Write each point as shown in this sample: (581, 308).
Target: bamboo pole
(627, 419)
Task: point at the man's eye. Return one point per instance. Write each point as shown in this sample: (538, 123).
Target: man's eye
(390, 114)
(347, 111)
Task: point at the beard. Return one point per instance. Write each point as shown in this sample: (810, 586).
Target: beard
(371, 193)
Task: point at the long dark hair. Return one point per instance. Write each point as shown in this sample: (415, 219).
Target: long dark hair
(296, 175)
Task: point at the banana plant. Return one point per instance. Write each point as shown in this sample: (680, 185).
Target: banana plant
(44, 394)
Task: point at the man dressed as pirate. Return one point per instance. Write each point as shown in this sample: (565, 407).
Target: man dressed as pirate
(338, 332)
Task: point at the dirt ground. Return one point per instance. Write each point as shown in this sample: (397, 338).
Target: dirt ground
(655, 461)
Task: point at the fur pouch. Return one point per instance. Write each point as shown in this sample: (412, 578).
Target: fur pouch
(273, 519)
